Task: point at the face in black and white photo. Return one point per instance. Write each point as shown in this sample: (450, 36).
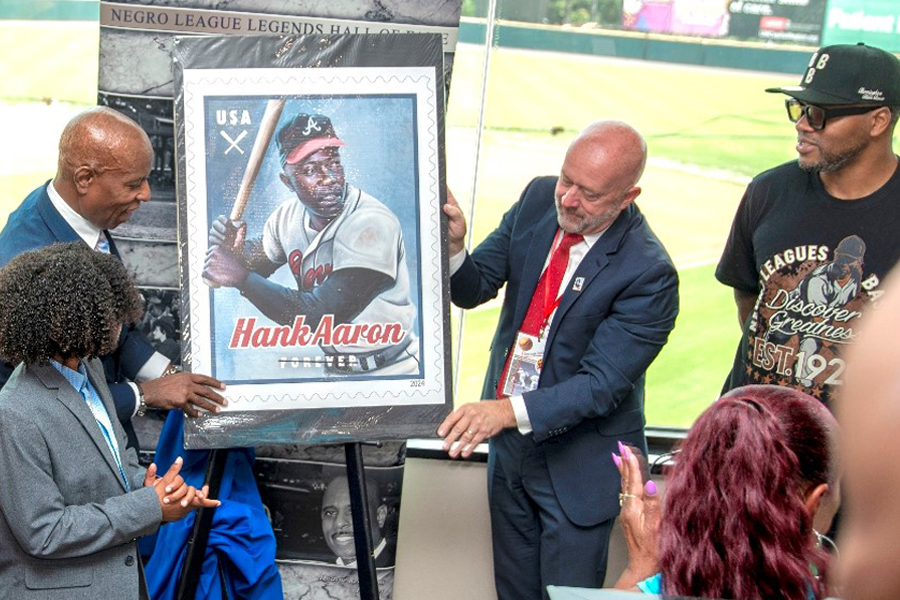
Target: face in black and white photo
(337, 518)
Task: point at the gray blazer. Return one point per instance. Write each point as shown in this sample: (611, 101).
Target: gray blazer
(67, 525)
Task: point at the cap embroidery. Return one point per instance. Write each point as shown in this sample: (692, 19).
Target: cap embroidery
(823, 61)
(311, 125)
(875, 95)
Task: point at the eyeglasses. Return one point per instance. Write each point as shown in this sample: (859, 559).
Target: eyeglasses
(817, 116)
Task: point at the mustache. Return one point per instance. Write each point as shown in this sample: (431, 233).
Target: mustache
(327, 190)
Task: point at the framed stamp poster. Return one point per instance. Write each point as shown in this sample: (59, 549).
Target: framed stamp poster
(313, 252)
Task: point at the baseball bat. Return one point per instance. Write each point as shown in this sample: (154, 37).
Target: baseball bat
(254, 162)
(263, 137)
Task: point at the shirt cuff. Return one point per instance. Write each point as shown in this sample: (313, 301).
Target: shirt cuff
(153, 368)
(523, 423)
(456, 261)
(137, 394)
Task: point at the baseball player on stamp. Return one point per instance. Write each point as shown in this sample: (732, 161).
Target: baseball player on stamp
(344, 248)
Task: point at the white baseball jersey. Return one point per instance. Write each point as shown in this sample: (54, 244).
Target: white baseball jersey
(365, 235)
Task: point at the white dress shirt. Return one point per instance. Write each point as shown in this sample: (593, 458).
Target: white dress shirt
(576, 255)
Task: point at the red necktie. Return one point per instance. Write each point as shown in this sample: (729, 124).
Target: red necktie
(545, 298)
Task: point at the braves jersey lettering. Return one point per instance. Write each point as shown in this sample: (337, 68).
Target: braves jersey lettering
(307, 277)
(295, 262)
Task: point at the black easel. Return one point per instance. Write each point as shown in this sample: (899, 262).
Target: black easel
(362, 523)
(196, 545)
(362, 526)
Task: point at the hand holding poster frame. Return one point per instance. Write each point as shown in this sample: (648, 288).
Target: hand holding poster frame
(332, 321)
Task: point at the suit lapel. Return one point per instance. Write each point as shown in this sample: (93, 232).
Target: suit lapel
(591, 265)
(58, 226)
(61, 230)
(545, 231)
(72, 400)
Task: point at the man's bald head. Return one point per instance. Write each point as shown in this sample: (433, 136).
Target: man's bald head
(619, 145)
(100, 137)
(104, 161)
(599, 176)
(869, 412)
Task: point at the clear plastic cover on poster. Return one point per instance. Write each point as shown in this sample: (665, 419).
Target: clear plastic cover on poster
(312, 242)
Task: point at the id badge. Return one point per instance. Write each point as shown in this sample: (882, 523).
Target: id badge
(525, 365)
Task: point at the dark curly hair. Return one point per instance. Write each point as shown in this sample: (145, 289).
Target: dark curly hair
(734, 521)
(64, 301)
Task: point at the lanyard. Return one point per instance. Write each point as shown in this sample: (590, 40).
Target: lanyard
(551, 306)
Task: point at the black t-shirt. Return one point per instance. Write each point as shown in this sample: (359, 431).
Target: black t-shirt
(814, 262)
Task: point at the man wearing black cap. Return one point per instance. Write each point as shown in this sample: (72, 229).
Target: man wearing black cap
(813, 238)
(344, 248)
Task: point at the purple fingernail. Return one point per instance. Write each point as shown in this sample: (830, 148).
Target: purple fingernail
(621, 448)
(650, 487)
(617, 460)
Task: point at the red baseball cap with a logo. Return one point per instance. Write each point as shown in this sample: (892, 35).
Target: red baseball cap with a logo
(304, 135)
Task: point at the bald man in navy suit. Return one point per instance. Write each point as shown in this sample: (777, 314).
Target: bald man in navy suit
(591, 296)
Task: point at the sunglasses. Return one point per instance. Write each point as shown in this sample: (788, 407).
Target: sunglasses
(817, 116)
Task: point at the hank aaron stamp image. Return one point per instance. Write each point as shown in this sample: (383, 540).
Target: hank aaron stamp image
(313, 255)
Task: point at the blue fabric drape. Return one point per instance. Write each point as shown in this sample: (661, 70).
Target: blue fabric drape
(241, 536)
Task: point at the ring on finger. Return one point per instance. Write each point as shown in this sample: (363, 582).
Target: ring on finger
(623, 496)
(470, 432)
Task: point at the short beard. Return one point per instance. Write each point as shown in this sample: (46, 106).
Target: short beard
(590, 225)
(834, 162)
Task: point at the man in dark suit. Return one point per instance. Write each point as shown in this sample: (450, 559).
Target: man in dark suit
(101, 179)
(104, 162)
(591, 296)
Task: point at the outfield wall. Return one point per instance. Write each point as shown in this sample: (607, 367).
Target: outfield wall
(620, 44)
(510, 34)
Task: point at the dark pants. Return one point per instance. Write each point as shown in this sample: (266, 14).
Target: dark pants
(535, 544)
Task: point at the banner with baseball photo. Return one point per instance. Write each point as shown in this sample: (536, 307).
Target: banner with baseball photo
(135, 78)
(310, 186)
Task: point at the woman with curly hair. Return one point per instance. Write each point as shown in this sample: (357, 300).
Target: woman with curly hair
(72, 496)
(755, 479)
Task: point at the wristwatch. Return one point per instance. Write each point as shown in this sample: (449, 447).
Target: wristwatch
(142, 402)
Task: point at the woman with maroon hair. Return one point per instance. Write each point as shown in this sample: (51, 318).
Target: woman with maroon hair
(754, 481)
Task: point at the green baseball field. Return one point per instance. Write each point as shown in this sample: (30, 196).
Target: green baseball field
(708, 131)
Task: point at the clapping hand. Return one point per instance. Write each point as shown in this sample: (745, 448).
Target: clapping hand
(176, 498)
(640, 518)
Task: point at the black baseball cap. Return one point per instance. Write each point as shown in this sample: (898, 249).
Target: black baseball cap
(303, 135)
(848, 74)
